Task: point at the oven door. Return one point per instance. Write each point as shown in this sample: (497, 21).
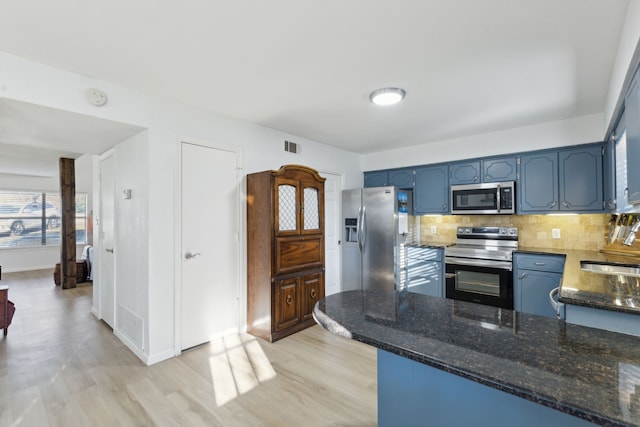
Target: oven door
(480, 281)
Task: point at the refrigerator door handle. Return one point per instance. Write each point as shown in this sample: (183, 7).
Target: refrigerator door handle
(362, 229)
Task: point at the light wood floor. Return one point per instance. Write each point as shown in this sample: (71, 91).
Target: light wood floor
(59, 366)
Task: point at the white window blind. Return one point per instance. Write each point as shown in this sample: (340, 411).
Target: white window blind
(29, 218)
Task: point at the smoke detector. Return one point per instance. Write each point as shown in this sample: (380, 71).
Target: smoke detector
(95, 97)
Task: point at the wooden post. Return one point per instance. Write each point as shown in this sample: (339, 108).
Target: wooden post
(68, 219)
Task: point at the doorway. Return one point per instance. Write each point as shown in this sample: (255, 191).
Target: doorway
(209, 234)
(107, 294)
(332, 231)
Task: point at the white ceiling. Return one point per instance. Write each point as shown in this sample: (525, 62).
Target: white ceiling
(306, 67)
(33, 138)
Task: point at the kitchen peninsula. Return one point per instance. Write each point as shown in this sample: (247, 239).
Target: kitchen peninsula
(446, 362)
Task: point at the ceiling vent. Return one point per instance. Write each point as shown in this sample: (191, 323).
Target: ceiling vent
(291, 147)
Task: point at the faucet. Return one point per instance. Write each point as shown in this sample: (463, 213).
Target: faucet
(632, 234)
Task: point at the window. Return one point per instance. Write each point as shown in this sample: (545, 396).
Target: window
(33, 219)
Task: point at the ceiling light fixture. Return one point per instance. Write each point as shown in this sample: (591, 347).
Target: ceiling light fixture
(387, 96)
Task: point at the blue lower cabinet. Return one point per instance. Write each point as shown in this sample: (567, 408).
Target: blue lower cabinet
(425, 271)
(534, 276)
(615, 321)
(414, 394)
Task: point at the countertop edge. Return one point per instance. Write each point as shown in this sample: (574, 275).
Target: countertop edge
(597, 305)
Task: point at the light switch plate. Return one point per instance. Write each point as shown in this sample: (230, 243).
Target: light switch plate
(433, 229)
(555, 233)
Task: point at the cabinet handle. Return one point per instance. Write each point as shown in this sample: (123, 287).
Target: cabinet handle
(444, 206)
(523, 275)
(539, 263)
(565, 204)
(475, 178)
(554, 204)
(313, 293)
(289, 299)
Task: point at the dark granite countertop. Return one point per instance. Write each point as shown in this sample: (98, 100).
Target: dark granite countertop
(589, 373)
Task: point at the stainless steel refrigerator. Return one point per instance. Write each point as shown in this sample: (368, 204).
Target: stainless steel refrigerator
(375, 228)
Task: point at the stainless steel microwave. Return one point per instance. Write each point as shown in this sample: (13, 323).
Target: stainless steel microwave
(484, 199)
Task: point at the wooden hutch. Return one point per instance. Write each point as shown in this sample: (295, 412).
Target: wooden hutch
(285, 250)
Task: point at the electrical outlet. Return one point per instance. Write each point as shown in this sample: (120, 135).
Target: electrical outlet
(433, 229)
(555, 233)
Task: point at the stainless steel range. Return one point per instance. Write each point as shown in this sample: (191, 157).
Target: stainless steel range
(479, 266)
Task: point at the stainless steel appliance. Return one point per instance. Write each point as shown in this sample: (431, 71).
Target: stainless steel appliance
(479, 266)
(376, 224)
(487, 198)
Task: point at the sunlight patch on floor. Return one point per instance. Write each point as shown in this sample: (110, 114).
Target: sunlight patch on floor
(238, 364)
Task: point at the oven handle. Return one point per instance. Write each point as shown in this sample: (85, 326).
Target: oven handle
(503, 265)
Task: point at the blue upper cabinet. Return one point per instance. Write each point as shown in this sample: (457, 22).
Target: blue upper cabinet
(581, 185)
(568, 180)
(538, 189)
(431, 191)
(402, 178)
(632, 121)
(465, 173)
(488, 170)
(375, 179)
(609, 175)
(499, 169)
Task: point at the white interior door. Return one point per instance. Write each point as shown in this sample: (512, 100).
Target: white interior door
(107, 209)
(209, 297)
(332, 232)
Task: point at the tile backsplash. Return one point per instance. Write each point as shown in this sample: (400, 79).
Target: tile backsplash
(586, 232)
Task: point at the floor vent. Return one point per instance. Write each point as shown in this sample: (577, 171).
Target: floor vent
(291, 147)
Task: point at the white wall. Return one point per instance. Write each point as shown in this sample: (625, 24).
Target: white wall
(149, 265)
(580, 130)
(131, 237)
(37, 258)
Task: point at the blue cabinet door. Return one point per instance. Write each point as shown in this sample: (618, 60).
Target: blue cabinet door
(580, 176)
(375, 179)
(534, 277)
(425, 271)
(498, 170)
(609, 175)
(465, 173)
(431, 191)
(538, 189)
(632, 120)
(532, 289)
(402, 178)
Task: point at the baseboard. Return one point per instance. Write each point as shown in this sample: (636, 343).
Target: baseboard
(32, 268)
(131, 346)
(156, 358)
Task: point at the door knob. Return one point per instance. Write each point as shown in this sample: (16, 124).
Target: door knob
(110, 250)
(189, 255)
